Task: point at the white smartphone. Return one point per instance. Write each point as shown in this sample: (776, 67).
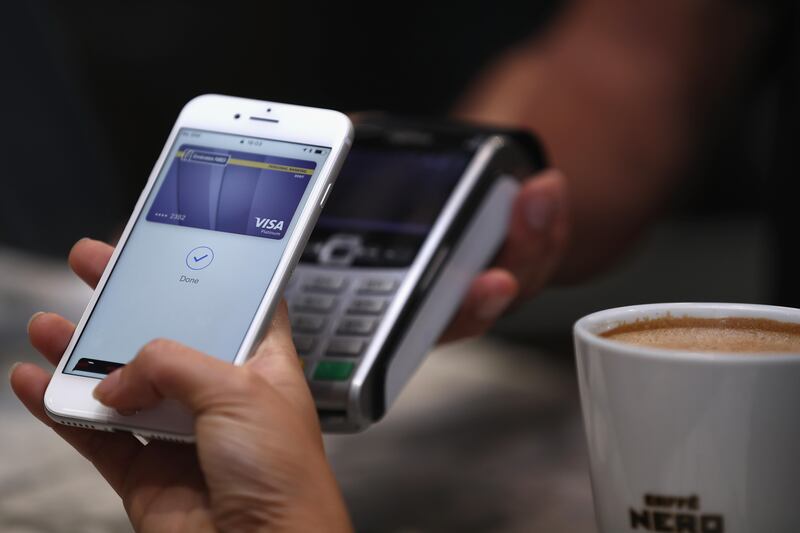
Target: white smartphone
(208, 249)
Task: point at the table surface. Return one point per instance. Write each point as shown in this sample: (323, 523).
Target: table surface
(486, 437)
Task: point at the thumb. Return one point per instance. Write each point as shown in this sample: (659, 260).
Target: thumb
(277, 362)
(168, 369)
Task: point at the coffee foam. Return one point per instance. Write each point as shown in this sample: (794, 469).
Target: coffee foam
(753, 335)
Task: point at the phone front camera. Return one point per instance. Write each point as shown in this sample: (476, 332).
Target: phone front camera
(269, 110)
(237, 115)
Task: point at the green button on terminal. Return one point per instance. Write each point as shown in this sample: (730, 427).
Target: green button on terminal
(333, 370)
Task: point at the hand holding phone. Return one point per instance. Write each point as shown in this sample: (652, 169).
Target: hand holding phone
(207, 251)
(237, 410)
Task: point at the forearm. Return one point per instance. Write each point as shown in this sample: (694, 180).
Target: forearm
(623, 93)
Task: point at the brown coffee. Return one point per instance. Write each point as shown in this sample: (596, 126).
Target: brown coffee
(753, 335)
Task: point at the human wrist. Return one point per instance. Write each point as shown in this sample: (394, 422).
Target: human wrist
(318, 503)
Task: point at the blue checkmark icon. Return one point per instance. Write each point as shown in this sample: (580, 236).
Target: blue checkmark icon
(199, 258)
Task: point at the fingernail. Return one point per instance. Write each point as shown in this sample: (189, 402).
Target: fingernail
(12, 369)
(79, 241)
(493, 307)
(105, 387)
(32, 318)
(540, 209)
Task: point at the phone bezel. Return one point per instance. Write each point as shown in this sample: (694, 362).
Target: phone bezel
(68, 397)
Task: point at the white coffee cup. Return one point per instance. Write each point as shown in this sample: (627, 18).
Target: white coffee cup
(689, 441)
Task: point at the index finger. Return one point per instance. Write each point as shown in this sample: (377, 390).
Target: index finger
(88, 259)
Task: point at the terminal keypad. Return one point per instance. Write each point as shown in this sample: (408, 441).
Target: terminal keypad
(334, 317)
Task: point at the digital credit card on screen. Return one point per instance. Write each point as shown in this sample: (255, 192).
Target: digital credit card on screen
(231, 191)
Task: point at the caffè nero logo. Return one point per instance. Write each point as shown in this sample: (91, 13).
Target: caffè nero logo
(675, 514)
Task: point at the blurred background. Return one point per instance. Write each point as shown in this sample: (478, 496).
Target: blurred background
(488, 435)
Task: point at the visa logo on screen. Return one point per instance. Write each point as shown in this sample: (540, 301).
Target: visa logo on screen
(269, 223)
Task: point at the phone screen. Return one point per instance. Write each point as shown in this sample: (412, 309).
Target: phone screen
(203, 250)
(389, 198)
